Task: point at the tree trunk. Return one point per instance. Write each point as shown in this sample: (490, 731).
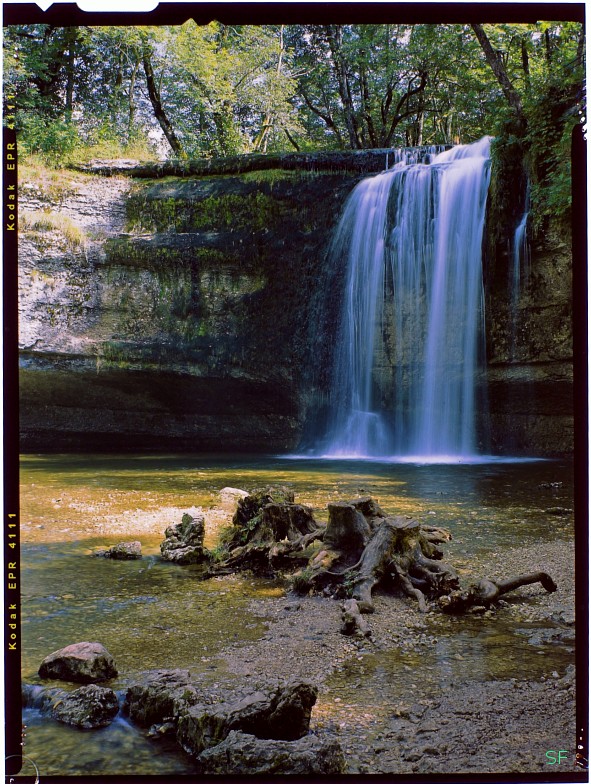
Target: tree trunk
(334, 34)
(499, 71)
(70, 75)
(260, 144)
(156, 102)
(131, 101)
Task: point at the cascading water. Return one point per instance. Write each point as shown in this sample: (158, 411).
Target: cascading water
(406, 364)
(520, 270)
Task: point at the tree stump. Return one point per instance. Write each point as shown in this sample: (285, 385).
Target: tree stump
(347, 531)
(359, 549)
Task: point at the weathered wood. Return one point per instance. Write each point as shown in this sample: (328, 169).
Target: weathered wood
(486, 591)
(376, 558)
(347, 529)
(282, 552)
(352, 620)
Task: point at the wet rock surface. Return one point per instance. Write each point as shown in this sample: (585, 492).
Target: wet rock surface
(161, 696)
(88, 707)
(259, 724)
(281, 712)
(82, 662)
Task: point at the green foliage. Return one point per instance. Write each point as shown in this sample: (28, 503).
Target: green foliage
(349, 583)
(228, 89)
(52, 140)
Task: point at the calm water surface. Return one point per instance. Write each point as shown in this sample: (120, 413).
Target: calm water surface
(150, 614)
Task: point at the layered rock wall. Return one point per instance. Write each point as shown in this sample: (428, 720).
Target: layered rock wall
(175, 314)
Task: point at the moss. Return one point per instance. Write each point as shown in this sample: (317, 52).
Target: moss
(253, 211)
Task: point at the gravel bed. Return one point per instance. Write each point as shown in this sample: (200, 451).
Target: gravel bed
(470, 724)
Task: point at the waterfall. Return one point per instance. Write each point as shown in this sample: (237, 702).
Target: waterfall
(519, 272)
(407, 356)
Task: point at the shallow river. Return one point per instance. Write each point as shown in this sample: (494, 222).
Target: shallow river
(150, 614)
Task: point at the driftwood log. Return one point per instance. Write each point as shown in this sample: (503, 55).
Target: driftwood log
(359, 549)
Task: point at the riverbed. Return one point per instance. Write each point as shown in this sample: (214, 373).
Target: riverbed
(398, 703)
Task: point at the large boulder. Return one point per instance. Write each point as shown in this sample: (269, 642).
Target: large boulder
(279, 712)
(240, 754)
(82, 662)
(184, 541)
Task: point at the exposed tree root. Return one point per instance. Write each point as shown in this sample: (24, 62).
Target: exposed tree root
(352, 620)
(358, 550)
(486, 592)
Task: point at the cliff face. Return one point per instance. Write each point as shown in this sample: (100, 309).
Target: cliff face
(199, 314)
(177, 314)
(529, 322)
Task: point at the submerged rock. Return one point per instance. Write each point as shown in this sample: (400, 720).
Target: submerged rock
(82, 662)
(240, 753)
(124, 551)
(184, 541)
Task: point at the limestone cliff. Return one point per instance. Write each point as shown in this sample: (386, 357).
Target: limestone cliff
(174, 314)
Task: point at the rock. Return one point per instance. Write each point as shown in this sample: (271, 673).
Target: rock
(230, 496)
(184, 541)
(163, 695)
(281, 713)
(240, 754)
(82, 662)
(88, 707)
(124, 551)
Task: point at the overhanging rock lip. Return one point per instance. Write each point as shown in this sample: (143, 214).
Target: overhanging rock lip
(370, 160)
